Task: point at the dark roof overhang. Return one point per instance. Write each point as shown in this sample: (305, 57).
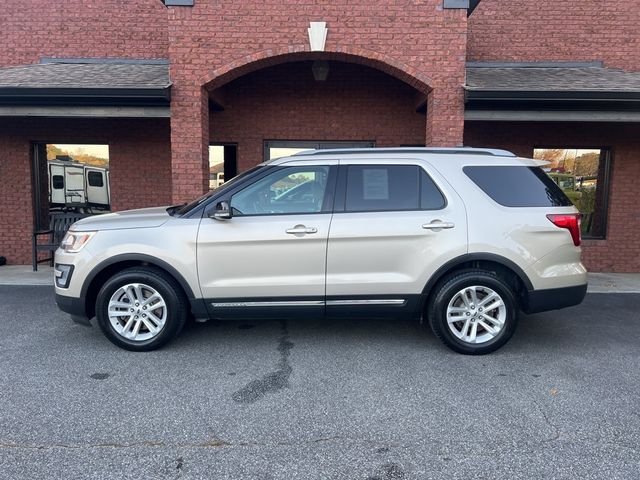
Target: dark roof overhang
(85, 96)
(552, 100)
(552, 87)
(87, 82)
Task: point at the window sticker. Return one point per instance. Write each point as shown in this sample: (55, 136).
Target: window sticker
(375, 184)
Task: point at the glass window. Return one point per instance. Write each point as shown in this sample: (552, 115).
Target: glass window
(57, 181)
(430, 196)
(583, 175)
(285, 191)
(223, 163)
(95, 179)
(514, 186)
(281, 148)
(227, 185)
(216, 166)
(72, 169)
(390, 187)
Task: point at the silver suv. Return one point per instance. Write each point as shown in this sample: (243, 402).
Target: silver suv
(460, 238)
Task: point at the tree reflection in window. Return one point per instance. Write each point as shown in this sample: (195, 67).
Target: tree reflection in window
(583, 175)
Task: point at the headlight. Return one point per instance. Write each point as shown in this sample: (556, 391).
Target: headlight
(73, 242)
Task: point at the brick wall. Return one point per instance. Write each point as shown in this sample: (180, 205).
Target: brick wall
(620, 251)
(140, 168)
(15, 201)
(140, 164)
(217, 39)
(286, 103)
(557, 30)
(81, 28)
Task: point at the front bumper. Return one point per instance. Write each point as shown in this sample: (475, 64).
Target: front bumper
(554, 298)
(74, 307)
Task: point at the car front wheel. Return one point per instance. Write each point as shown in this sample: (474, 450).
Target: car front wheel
(141, 308)
(473, 312)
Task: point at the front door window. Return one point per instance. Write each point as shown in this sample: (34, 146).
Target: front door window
(286, 191)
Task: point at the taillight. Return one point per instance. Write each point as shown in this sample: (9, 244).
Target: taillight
(570, 221)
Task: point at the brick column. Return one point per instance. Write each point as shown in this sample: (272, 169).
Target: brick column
(445, 116)
(189, 143)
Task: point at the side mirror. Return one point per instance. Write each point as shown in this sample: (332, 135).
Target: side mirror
(222, 211)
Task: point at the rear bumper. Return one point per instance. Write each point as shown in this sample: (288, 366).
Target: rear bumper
(74, 307)
(554, 298)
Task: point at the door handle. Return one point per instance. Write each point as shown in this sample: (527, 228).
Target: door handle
(301, 230)
(438, 225)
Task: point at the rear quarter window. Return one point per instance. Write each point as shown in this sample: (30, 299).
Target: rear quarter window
(515, 186)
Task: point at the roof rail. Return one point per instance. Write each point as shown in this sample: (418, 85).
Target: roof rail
(436, 150)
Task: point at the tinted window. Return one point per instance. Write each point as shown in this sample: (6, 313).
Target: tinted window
(514, 186)
(430, 196)
(58, 182)
(95, 179)
(390, 187)
(380, 187)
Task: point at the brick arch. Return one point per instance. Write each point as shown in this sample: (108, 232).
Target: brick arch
(267, 58)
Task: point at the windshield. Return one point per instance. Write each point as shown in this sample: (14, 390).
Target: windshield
(199, 201)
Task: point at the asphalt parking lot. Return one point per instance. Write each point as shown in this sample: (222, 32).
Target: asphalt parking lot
(351, 399)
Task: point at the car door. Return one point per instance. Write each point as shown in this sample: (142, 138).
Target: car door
(97, 188)
(269, 258)
(394, 225)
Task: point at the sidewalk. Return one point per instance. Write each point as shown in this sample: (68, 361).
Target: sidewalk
(24, 275)
(614, 283)
(598, 282)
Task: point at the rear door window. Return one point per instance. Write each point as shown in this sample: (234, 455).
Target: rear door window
(515, 186)
(372, 188)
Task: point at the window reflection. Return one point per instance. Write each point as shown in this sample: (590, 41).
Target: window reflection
(582, 173)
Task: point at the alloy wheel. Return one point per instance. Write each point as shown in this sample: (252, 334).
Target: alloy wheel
(476, 314)
(137, 312)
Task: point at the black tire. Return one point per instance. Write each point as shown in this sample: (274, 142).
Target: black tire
(444, 292)
(165, 285)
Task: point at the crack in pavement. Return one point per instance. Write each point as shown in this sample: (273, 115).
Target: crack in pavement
(213, 443)
(553, 426)
(216, 443)
(80, 446)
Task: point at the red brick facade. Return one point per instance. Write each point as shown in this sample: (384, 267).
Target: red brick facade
(284, 102)
(557, 30)
(81, 28)
(386, 59)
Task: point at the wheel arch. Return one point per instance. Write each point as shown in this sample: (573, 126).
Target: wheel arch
(502, 266)
(104, 270)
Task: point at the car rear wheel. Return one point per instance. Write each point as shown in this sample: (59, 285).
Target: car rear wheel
(473, 312)
(141, 308)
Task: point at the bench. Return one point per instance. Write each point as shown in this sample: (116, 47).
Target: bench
(58, 226)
